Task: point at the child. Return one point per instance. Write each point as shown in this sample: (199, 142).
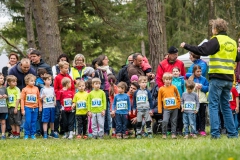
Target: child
(190, 106)
(96, 108)
(142, 101)
(122, 107)
(169, 98)
(13, 102)
(234, 105)
(201, 88)
(134, 78)
(80, 105)
(65, 96)
(113, 90)
(3, 106)
(49, 101)
(30, 104)
(178, 81)
(39, 81)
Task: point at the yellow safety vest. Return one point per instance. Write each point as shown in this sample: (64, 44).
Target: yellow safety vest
(76, 73)
(224, 60)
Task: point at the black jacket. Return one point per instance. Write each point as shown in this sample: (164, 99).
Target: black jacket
(42, 64)
(123, 75)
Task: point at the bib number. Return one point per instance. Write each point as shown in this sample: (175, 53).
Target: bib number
(10, 99)
(141, 98)
(67, 102)
(31, 98)
(49, 99)
(170, 101)
(3, 103)
(96, 102)
(81, 105)
(121, 105)
(231, 97)
(191, 106)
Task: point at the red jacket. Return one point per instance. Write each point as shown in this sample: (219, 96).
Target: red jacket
(165, 66)
(65, 97)
(58, 85)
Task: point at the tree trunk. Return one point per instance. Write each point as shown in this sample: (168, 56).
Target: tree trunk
(53, 39)
(29, 24)
(78, 12)
(211, 15)
(143, 46)
(156, 31)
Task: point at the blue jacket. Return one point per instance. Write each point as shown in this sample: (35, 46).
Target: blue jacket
(202, 80)
(121, 104)
(180, 84)
(200, 63)
(17, 72)
(39, 83)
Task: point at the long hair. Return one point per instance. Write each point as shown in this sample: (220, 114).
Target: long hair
(196, 67)
(111, 80)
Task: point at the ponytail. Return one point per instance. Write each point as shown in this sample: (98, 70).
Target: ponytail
(111, 80)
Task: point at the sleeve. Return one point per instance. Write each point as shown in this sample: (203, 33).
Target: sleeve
(178, 97)
(197, 102)
(160, 100)
(205, 85)
(18, 94)
(89, 102)
(58, 96)
(5, 71)
(134, 100)
(203, 66)
(10, 72)
(129, 103)
(56, 85)
(150, 100)
(75, 98)
(72, 86)
(182, 99)
(189, 72)
(159, 75)
(114, 103)
(208, 48)
(235, 92)
(104, 100)
(39, 99)
(71, 72)
(41, 92)
(119, 76)
(183, 71)
(23, 97)
(54, 71)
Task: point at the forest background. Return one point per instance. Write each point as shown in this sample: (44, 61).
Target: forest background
(115, 28)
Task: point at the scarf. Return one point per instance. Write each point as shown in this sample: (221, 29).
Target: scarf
(106, 69)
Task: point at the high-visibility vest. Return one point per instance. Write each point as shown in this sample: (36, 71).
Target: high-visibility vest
(223, 61)
(76, 74)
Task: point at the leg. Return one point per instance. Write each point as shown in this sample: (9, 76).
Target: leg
(3, 126)
(71, 119)
(57, 116)
(27, 124)
(148, 120)
(65, 121)
(94, 124)
(34, 116)
(118, 123)
(139, 122)
(101, 124)
(124, 123)
(192, 122)
(79, 124)
(89, 125)
(179, 122)
(107, 115)
(85, 122)
(17, 119)
(202, 116)
(173, 119)
(186, 123)
(166, 115)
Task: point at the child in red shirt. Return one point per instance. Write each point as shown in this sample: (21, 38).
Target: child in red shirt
(234, 105)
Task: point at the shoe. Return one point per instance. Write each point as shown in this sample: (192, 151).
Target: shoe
(90, 135)
(70, 136)
(223, 131)
(79, 137)
(3, 137)
(185, 137)
(144, 134)
(65, 136)
(100, 137)
(164, 136)
(119, 136)
(94, 137)
(26, 137)
(11, 136)
(45, 136)
(85, 137)
(150, 136)
(139, 136)
(168, 133)
(17, 137)
(54, 135)
(113, 135)
(203, 133)
(194, 136)
(125, 136)
(33, 137)
(174, 136)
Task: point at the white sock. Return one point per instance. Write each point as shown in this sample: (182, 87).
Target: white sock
(71, 133)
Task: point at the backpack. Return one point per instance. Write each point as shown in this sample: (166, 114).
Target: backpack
(123, 75)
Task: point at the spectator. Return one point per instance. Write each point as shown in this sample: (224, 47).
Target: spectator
(135, 67)
(13, 59)
(55, 68)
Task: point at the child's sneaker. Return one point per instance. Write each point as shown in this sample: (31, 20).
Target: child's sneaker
(79, 137)
(194, 136)
(174, 136)
(94, 137)
(17, 137)
(114, 135)
(150, 136)
(119, 136)
(70, 136)
(203, 133)
(3, 137)
(11, 136)
(125, 136)
(33, 136)
(85, 137)
(54, 135)
(90, 135)
(185, 137)
(65, 135)
(100, 137)
(139, 136)
(45, 136)
(26, 137)
(164, 136)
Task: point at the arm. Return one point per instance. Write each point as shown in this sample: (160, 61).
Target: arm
(205, 86)
(54, 71)
(104, 100)
(159, 75)
(183, 71)
(56, 85)
(177, 97)
(39, 100)
(134, 101)
(23, 97)
(129, 104)
(197, 103)
(160, 101)
(237, 105)
(150, 100)
(114, 104)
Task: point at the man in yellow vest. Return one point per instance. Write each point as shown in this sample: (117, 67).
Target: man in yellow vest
(222, 51)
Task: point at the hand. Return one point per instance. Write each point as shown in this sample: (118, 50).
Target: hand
(55, 104)
(5, 96)
(103, 113)
(134, 112)
(182, 110)
(90, 114)
(23, 113)
(195, 112)
(40, 109)
(199, 86)
(151, 113)
(237, 109)
(182, 44)
(129, 113)
(15, 110)
(1, 96)
(112, 113)
(43, 96)
(134, 120)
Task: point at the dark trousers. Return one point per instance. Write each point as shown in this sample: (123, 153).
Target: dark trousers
(201, 117)
(68, 120)
(179, 121)
(57, 116)
(121, 123)
(82, 124)
(107, 115)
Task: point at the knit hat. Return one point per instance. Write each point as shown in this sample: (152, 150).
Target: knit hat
(134, 78)
(172, 50)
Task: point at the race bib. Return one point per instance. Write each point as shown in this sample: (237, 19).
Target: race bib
(81, 105)
(31, 98)
(170, 101)
(49, 99)
(10, 98)
(122, 105)
(141, 98)
(191, 106)
(231, 97)
(3, 103)
(96, 102)
(67, 102)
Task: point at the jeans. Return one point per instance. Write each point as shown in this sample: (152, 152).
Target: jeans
(235, 118)
(121, 123)
(219, 91)
(189, 120)
(31, 115)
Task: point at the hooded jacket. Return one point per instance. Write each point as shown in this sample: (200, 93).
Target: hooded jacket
(42, 64)
(200, 63)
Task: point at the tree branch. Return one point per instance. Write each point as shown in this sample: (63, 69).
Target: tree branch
(19, 51)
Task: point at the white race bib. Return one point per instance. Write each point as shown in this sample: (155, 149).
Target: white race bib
(170, 101)
(191, 106)
(49, 99)
(3, 103)
(96, 102)
(231, 97)
(67, 102)
(81, 105)
(10, 98)
(141, 98)
(122, 105)
(31, 98)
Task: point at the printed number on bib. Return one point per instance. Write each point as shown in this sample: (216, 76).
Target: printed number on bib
(231, 97)
(3, 103)
(67, 102)
(10, 98)
(49, 99)
(31, 98)
(141, 98)
(81, 105)
(170, 101)
(121, 105)
(189, 106)
(96, 102)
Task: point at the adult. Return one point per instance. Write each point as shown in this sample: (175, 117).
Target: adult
(37, 62)
(79, 71)
(196, 61)
(135, 67)
(223, 52)
(102, 72)
(20, 70)
(238, 66)
(13, 59)
(29, 50)
(168, 64)
(123, 74)
(55, 68)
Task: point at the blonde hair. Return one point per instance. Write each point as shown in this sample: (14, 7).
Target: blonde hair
(63, 63)
(142, 78)
(189, 84)
(65, 81)
(122, 85)
(11, 78)
(96, 80)
(77, 57)
(167, 75)
(79, 82)
(28, 77)
(219, 24)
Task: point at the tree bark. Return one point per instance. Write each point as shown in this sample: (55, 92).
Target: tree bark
(29, 24)
(157, 31)
(78, 12)
(211, 15)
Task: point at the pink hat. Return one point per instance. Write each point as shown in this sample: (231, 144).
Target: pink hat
(134, 78)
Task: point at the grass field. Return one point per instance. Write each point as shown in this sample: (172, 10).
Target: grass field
(156, 148)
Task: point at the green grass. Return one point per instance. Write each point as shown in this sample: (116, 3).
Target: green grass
(156, 148)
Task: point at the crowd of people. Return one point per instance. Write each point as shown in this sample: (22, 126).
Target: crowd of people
(90, 101)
